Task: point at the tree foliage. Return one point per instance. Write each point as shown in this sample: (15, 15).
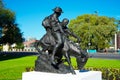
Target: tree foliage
(94, 29)
(118, 25)
(1, 4)
(10, 30)
(11, 35)
(7, 17)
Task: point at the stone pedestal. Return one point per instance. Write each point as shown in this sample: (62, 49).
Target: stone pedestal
(43, 64)
(90, 75)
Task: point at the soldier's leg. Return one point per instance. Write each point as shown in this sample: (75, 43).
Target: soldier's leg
(59, 45)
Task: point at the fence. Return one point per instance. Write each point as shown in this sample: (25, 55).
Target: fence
(21, 50)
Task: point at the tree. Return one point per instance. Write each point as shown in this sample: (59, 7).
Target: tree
(10, 30)
(12, 35)
(118, 25)
(94, 29)
(7, 17)
(1, 4)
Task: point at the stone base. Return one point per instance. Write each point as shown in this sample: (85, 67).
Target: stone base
(90, 75)
(43, 64)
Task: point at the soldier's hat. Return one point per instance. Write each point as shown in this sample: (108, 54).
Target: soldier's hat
(57, 9)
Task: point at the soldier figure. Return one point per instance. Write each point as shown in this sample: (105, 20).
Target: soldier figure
(52, 24)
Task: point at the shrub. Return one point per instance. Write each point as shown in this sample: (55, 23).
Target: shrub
(107, 73)
(1, 48)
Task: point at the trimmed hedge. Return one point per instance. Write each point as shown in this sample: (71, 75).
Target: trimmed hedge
(107, 73)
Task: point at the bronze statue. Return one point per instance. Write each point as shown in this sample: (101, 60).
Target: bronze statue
(57, 43)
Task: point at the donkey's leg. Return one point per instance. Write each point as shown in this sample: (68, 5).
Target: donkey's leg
(69, 62)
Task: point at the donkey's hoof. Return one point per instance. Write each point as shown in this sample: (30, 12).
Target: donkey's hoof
(73, 72)
(55, 65)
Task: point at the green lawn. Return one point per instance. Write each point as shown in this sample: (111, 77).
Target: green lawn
(99, 63)
(12, 69)
(106, 63)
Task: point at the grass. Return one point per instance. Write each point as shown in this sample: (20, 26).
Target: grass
(105, 63)
(100, 63)
(11, 69)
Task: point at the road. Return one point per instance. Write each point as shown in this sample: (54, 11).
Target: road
(105, 55)
(95, 55)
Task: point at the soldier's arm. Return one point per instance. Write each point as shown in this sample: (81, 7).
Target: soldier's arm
(69, 32)
(72, 34)
(60, 27)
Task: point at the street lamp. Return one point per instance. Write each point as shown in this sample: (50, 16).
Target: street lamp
(0, 31)
(89, 43)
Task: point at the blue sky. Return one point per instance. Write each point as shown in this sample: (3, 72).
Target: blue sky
(30, 13)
